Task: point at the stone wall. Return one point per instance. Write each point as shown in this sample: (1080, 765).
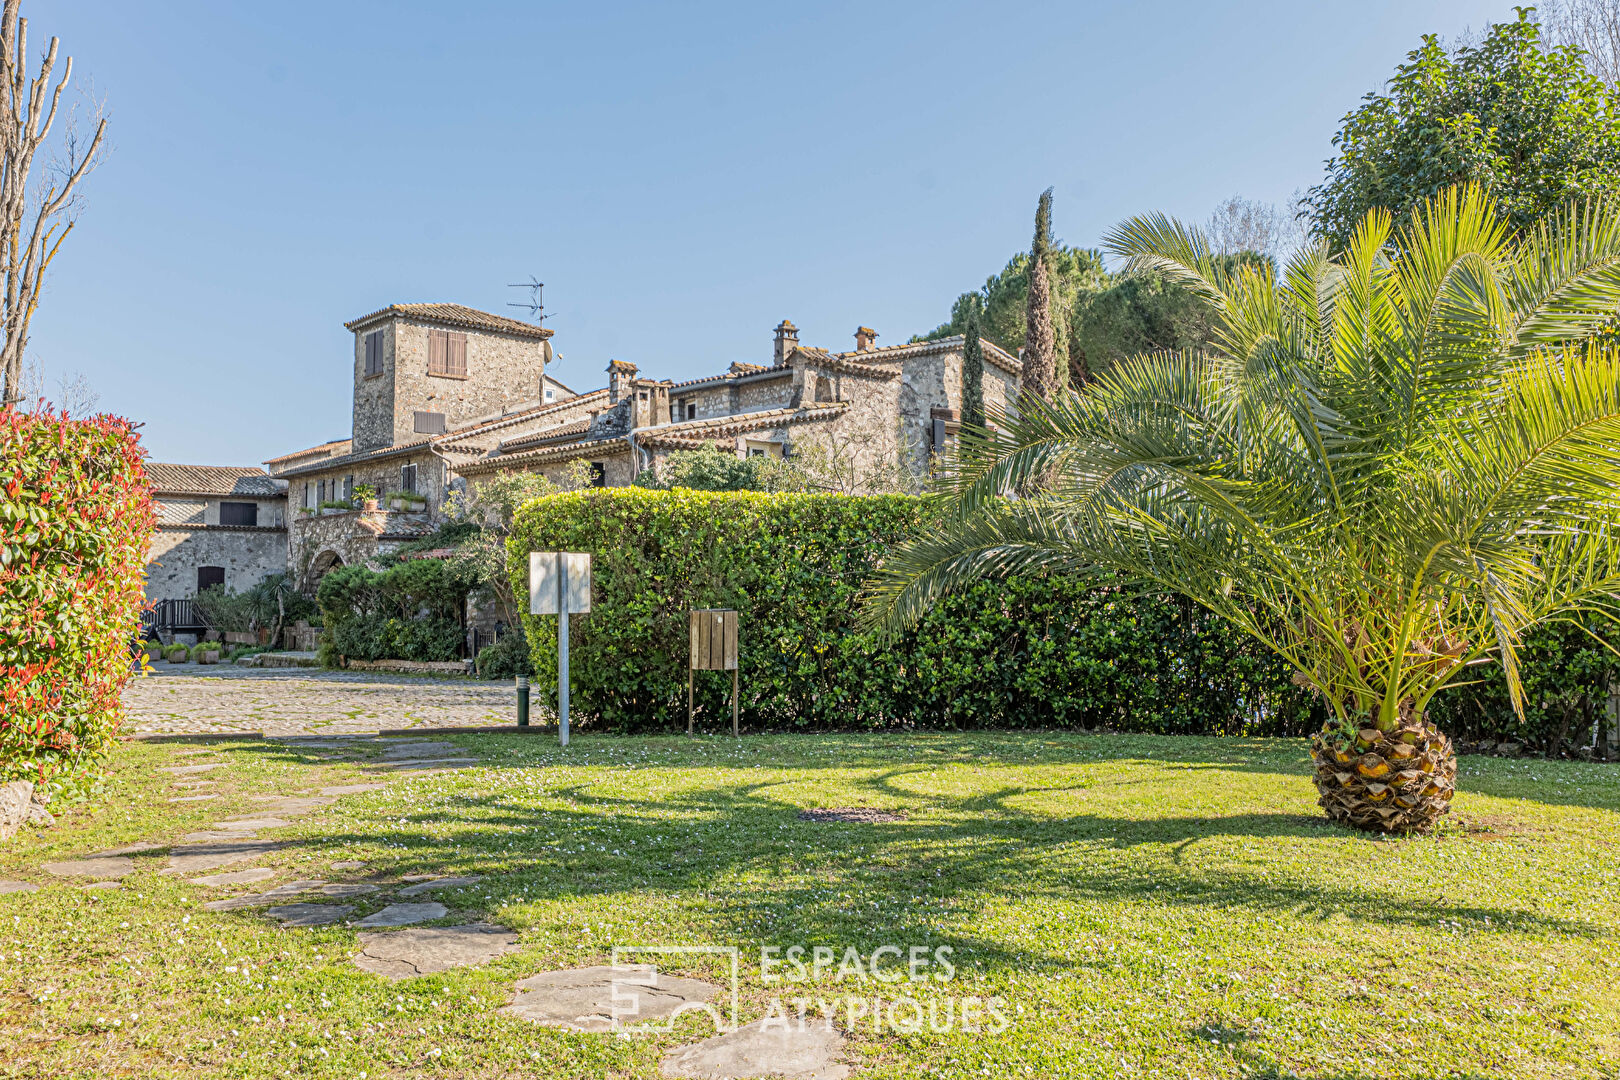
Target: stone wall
(245, 554)
(725, 398)
(933, 380)
(318, 542)
(503, 371)
(373, 424)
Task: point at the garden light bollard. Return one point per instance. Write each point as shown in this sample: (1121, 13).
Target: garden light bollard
(713, 640)
(560, 583)
(522, 683)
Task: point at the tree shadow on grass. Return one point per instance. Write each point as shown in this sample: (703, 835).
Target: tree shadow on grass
(764, 874)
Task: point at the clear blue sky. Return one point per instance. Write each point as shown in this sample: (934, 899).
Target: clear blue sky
(682, 176)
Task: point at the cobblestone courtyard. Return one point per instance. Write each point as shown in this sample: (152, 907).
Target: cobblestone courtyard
(305, 701)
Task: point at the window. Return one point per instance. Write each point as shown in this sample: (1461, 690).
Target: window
(321, 491)
(691, 410)
(447, 354)
(348, 486)
(598, 474)
(374, 353)
(429, 423)
(238, 513)
(309, 494)
(407, 478)
(551, 395)
(764, 449)
(209, 576)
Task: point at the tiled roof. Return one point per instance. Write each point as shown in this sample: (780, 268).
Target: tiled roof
(993, 353)
(840, 362)
(538, 438)
(618, 444)
(211, 480)
(753, 371)
(454, 315)
(328, 448)
(522, 416)
(738, 423)
(415, 446)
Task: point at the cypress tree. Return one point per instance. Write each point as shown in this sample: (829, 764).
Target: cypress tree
(972, 370)
(1040, 342)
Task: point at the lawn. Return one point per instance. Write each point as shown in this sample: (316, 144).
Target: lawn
(1142, 907)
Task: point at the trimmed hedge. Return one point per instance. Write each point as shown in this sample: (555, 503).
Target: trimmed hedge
(1031, 652)
(76, 522)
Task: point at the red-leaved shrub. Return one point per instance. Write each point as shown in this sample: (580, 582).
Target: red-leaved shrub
(75, 524)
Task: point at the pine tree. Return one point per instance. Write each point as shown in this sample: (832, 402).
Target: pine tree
(972, 371)
(1040, 343)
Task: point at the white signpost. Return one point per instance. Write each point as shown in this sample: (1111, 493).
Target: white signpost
(560, 585)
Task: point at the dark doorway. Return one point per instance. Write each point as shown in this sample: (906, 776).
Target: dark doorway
(208, 576)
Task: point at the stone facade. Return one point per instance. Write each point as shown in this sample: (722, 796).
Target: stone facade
(317, 543)
(215, 523)
(500, 365)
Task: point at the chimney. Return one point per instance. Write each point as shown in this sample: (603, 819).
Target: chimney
(865, 339)
(621, 373)
(787, 339)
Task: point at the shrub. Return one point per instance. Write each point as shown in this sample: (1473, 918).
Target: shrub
(202, 647)
(409, 611)
(75, 525)
(507, 657)
(1024, 653)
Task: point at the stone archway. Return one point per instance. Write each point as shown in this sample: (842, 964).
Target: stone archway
(321, 565)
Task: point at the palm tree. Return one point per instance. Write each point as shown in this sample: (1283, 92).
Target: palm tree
(1388, 465)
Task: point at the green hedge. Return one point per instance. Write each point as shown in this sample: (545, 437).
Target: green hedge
(1031, 652)
(75, 525)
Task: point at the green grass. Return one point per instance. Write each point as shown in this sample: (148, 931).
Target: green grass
(1144, 907)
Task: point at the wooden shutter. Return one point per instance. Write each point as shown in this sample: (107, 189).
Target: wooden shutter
(374, 353)
(456, 358)
(437, 349)
(428, 423)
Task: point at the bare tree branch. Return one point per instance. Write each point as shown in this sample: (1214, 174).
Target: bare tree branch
(33, 224)
(1592, 26)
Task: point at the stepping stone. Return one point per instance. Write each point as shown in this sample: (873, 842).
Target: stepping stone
(106, 867)
(584, 999)
(128, 849)
(439, 883)
(349, 864)
(351, 789)
(193, 798)
(190, 770)
(236, 877)
(412, 766)
(402, 751)
(287, 806)
(280, 892)
(309, 914)
(763, 1048)
(283, 892)
(404, 915)
(103, 885)
(401, 954)
(190, 858)
(17, 886)
(252, 823)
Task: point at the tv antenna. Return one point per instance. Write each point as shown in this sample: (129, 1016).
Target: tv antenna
(534, 305)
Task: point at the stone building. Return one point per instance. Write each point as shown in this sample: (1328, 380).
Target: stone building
(445, 395)
(216, 525)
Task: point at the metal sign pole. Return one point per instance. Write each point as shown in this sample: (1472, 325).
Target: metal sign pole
(562, 653)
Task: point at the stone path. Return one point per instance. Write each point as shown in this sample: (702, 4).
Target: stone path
(295, 701)
(403, 954)
(405, 915)
(764, 1048)
(586, 999)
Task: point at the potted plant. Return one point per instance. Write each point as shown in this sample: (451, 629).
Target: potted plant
(367, 496)
(177, 654)
(154, 651)
(205, 652)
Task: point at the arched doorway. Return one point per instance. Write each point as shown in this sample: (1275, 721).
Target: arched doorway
(319, 567)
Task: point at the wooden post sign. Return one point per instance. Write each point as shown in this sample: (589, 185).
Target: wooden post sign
(560, 585)
(713, 648)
